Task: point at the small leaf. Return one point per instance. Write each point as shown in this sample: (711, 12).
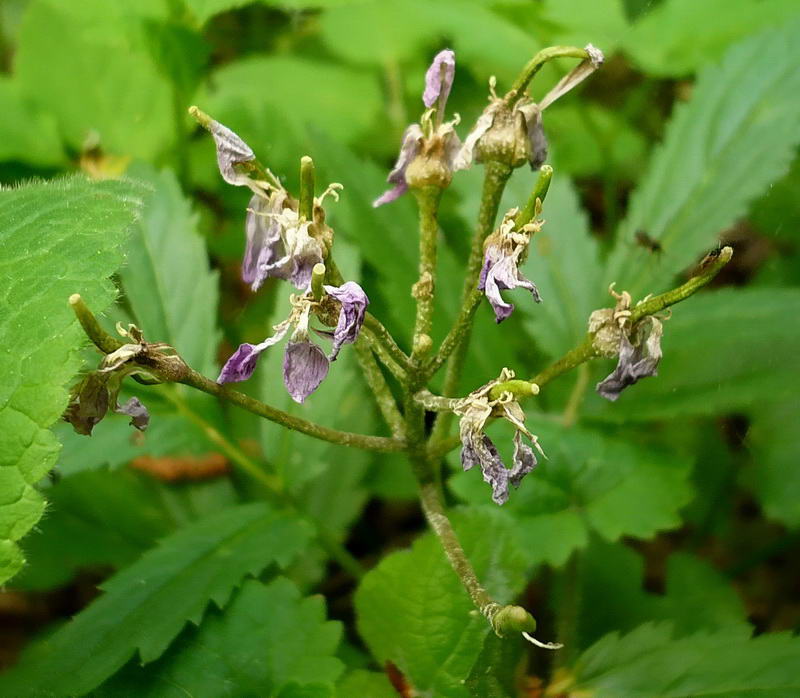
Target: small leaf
(589, 482)
(269, 641)
(147, 604)
(413, 611)
(59, 238)
(722, 149)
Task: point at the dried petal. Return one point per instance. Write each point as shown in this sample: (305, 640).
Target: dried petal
(524, 461)
(466, 156)
(500, 272)
(140, 417)
(536, 139)
(89, 402)
(479, 449)
(264, 243)
(231, 151)
(408, 151)
(439, 79)
(240, 366)
(635, 361)
(576, 76)
(304, 368)
(351, 316)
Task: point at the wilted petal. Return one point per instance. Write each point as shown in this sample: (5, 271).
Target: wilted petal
(635, 362)
(240, 366)
(537, 141)
(231, 151)
(524, 460)
(501, 273)
(478, 449)
(304, 368)
(351, 316)
(264, 244)
(88, 403)
(408, 151)
(140, 417)
(439, 78)
(466, 155)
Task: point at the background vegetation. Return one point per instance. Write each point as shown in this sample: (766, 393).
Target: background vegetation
(670, 517)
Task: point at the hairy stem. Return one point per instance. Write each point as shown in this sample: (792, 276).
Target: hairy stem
(384, 346)
(424, 290)
(380, 389)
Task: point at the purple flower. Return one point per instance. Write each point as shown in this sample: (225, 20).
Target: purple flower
(500, 270)
(305, 365)
(434, 140)
(478, 449)
(351, 315)
(636, 360)
(515, 133)
(304, 368)
(279, 244)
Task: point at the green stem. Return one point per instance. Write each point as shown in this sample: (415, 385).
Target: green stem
(570, 415)
(534, 65)
(102, 340)
(380, 389)
(306, 204)
(424, 290)
(383, 344)
(273, 484)
(494, 183)
(317, 281)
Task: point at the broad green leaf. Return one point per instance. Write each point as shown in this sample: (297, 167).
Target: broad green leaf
(57, 238)
(496, 671)
(589, 482)
(724, 350)
(203, 10)
(360, 682)
(169, 286)
(563, 263)
(269, 641)
(146, 605)
(665, 41)
(722, 149)
(775, 449)
(27, 133)
(86, 63)
(612, 596)
(651, 663)
(338, 100)
(412, 609)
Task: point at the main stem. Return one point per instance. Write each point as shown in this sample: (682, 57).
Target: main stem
(424, 290)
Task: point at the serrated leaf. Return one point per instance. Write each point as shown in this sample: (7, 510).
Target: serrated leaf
(169, 286)
(722, 149)
(775, 449)
(589, 482)
(87, 64)
(58, 238)
(269, 641)
(413, 611)
(723, 351)
(146, 605)
(665, 41)
(612, 595)
(650, 663)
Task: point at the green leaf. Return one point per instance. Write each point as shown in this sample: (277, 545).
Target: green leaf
(696, 596)
(722, 149)
(775, 449)
(665, 41)
(58, 238)
(27, 133)
(147, 604)
(723, 351)
(589, 482)
(269, 641)
(650, 663)
(87, 64)
(170, 288)
(360, 682)
(413, 611)
(580, 22)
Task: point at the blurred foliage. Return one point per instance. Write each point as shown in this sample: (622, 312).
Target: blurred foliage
(660, 533)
